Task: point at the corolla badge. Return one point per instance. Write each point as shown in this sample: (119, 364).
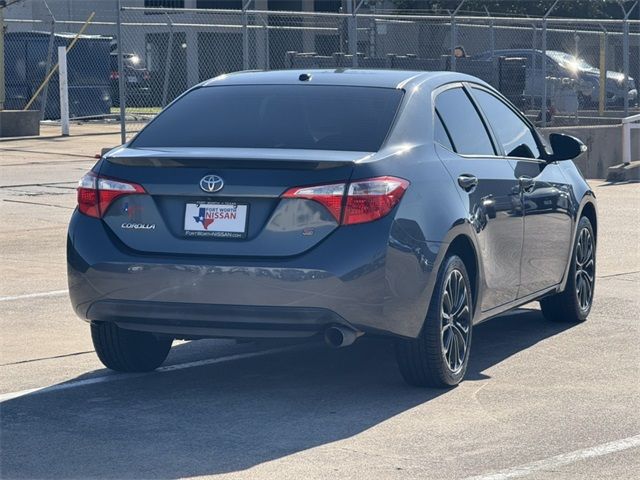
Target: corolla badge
(211, 183)
(138, 226)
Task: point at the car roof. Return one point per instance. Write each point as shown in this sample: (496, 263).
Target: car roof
(342, 77)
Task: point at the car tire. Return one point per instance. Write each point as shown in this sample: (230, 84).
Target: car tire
(573, 304)
(128, 350)
(426, 361)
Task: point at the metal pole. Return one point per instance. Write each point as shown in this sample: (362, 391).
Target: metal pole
(245, 35)
(121, 83)
(532, 87)
(603, 73)
(373, 32)
(576, 53)
(64, 91)
(543, 101)
(265, 24)
(625, 54)
(45, 92)
(454, 35)
(351, 33)
(167, 66)
(492, 33)
(2, 97)
(543, 107)
(626, 142)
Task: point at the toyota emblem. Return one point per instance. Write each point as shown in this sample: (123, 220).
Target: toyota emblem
(211, 183)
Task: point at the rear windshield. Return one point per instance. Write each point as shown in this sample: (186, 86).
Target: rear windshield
(315, 117)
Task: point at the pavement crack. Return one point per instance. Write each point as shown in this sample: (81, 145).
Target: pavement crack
(26, 150)
(618, 274)
(45, 358)
(44, 184)
(39, 204)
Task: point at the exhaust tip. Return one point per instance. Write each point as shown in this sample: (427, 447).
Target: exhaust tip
(337, 336)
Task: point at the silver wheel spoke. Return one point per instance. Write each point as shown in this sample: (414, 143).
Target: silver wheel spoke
(455, 321)
(461, 337)
(585, 269)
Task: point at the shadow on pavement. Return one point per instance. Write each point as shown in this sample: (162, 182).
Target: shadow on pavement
(229, 417)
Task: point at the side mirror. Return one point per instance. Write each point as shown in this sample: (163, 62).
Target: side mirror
(565, 147)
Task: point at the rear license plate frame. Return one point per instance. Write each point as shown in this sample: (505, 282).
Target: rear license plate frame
(222, 234)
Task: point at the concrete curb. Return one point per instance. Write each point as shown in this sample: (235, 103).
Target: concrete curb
(19, 123)
(624, 172)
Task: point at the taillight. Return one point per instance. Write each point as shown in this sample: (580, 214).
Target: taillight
(96, 194)
(358, 202)
(371, 199)
(328, 195)
(114, 75)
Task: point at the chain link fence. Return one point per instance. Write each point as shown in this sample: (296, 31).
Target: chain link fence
(558, 71)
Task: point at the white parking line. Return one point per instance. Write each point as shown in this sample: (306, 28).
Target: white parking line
(563, 459)
(124, 376)
(53, 293)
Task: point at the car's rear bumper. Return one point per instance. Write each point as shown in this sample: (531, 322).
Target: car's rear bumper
(193, 320)
(355, 277)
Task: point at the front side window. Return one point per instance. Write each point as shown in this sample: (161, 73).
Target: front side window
(512, 133)
(316, 117)
(466, 129)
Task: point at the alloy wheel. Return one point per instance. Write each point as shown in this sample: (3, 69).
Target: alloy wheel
(585, 269)
(455, 321)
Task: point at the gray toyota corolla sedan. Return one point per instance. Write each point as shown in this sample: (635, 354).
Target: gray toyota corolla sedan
(338, 203)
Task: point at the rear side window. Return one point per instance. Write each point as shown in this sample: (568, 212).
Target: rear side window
(316, 117)
(440, 134)
(513, 134)
(463, 123)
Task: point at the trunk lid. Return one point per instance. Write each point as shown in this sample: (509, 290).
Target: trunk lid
(254, 180)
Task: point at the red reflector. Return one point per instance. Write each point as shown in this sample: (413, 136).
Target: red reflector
(96, 194)
(366, 200)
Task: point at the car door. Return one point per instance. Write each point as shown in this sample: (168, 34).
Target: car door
(546, 195)
(488, 188)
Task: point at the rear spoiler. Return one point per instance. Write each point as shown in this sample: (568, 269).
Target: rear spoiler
(249, 163)
(257, 158)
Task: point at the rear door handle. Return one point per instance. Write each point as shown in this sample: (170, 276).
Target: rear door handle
(467, 182)
(526, 183)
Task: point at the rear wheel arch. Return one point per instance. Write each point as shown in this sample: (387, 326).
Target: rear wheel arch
(463, 247)
(589, 211)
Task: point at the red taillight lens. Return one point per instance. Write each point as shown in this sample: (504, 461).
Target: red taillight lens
(371, 199)
(88, 195)
(114, 75)
(359, 202)
(96, 194)
(328, 195)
